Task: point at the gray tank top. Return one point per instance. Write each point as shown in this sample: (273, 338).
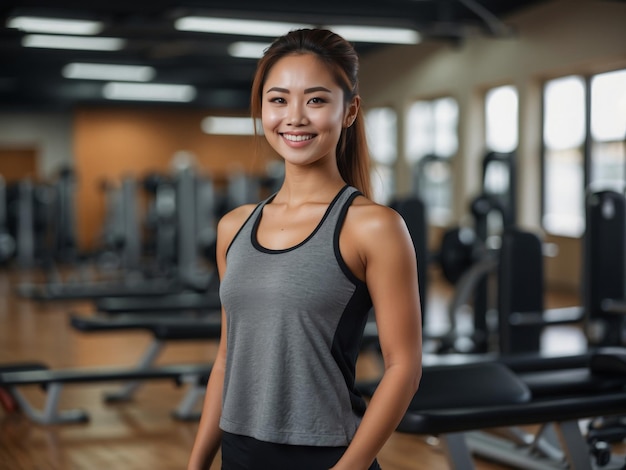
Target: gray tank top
(295, 319)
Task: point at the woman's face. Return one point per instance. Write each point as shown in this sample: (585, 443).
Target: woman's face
(303, 110)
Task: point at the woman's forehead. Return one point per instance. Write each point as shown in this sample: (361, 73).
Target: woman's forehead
(299, 70)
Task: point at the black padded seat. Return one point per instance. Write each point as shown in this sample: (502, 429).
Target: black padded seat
(22, 367)
(451, 420)
(567, 382)
(163, 328)
(450, 389)
(609, 361)
(47, 376)
(165, 304)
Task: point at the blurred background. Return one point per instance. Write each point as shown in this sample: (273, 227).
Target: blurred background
(125, 134)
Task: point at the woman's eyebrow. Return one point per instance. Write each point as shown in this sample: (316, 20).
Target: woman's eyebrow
(278, 89)
(316, 89)
(306, 91)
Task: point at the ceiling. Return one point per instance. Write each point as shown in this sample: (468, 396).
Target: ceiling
(31, 79)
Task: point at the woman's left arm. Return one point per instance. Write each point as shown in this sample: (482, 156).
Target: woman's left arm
(390, 265)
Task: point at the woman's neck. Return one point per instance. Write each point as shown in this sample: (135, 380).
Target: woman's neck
(310, 187)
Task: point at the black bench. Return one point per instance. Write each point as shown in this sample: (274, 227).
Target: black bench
(171, 303)
(97, 289)
(15, 376)
(458, 403)
(163, 328)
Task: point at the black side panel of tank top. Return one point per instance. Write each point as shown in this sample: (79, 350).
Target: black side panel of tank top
(345, 347)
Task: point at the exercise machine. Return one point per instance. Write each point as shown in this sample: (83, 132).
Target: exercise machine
(194, 231)
(604, 260)
(7, 241)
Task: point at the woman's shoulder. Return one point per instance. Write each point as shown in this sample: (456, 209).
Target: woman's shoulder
(364, 210)
(373, 220)
(235, 218)
(232, 221)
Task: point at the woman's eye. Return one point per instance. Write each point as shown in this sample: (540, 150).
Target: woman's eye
(317, 100)
(278, 100)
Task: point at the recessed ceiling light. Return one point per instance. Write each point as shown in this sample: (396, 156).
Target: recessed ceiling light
(73, 42)
(148, 92)
(218, 125)
(115, 72)
(248, 50)
(205, 24)
(376, 34)
(37, 24)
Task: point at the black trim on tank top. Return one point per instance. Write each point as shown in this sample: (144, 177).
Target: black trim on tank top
(340, 221)
(255, 227)
(246, 221)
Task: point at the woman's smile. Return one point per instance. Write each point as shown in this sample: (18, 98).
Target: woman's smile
(297, 139)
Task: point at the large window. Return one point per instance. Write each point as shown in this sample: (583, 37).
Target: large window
(564, 138)
(608, 129)
(501, 119)
(576, 138)
(382, 135)
(431, 141)
(501, 136)
(498, 164)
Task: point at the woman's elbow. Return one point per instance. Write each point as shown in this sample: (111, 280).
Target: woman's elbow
(416, 377)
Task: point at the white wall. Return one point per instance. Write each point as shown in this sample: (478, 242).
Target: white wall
(50, 133)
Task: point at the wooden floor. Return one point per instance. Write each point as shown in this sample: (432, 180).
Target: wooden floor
(141, 434)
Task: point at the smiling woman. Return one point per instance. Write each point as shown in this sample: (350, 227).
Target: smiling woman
(300, 273)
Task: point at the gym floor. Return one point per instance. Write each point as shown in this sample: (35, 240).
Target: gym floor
(142, 434)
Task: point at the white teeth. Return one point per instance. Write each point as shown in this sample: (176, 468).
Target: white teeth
(297, 138)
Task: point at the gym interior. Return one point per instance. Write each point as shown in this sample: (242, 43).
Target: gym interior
(499, 136)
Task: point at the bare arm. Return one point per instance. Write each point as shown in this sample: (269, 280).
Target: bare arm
(209, 435)
(391, 275)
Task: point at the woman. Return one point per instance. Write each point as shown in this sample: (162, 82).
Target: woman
(299, 273)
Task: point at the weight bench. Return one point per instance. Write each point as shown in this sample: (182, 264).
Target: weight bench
(459, 402)
(15, 376)
(170, 303)
(96, 289)
(162, 328)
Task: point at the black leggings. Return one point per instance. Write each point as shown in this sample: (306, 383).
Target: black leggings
(246, 453)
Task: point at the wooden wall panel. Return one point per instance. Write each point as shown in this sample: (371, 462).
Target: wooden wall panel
(18, 163)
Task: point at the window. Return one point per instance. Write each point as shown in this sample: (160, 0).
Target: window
(576, 138)
(563, 169)
(498, 164)
(501, 119)
(608, 130)
(431, 141)
(382, 136)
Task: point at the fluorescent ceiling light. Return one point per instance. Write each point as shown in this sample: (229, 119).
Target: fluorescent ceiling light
(36, 24)
(248, 50)
(376, 34)
(125, 73)
(73, 42)
(148, 92)
(206, 24)
(231, 125)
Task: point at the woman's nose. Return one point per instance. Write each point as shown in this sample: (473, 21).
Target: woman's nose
(296, 116)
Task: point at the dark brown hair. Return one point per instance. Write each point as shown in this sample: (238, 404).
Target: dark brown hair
(343, 62)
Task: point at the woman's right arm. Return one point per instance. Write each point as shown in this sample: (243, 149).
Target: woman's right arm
(209, 436)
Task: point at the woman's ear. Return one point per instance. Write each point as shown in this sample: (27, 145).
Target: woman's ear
(351, 111)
